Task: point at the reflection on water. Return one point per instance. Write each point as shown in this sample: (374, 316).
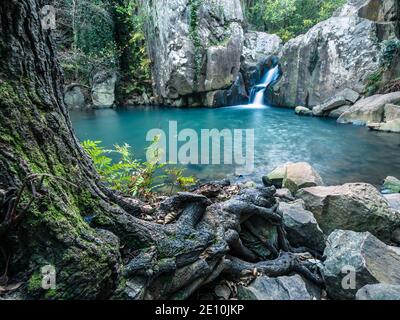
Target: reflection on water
(340, 153)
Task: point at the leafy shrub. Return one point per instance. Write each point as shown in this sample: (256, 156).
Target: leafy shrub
(134, 177)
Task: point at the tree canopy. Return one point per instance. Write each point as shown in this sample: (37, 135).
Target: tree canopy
(288, 18)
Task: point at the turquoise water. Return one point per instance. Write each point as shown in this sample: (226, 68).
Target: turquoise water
(340, 153)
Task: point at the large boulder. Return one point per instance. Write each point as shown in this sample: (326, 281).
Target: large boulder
(341, 52)
(301, 226)
(195, 47)
(335, 54)
(75, 96)
(380, 291)
(258, 49)
(103, 89)
(281, 288)
(354, 260)
(301, 175)
(372, 109)
(352, 206)
(345, 97)
(293, 176)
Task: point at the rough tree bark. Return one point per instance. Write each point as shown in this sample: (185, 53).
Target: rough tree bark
(54, 210)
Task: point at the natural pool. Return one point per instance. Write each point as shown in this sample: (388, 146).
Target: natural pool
(340, 153)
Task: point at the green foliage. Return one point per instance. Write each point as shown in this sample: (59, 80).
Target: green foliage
(134, 177)
(79, 66)
(289, 18)
(390, 49)
(89, 44)
(177, 181)
(375, 80)
(138, 77)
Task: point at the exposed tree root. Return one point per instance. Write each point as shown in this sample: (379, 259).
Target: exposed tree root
(204, 243)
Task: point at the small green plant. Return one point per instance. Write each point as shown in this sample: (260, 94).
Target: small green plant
(133, 177)
(177, 180)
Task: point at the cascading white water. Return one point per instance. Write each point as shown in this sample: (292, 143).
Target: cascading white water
(258, 91)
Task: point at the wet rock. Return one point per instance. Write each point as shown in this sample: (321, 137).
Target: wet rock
(353, 206)
(258, 48)
(379, 291)
(281, 288)
(301, 226)
(354, 260)
(103, 89)
(303, 111)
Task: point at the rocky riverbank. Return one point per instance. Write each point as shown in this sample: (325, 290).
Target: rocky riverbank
(351, 233)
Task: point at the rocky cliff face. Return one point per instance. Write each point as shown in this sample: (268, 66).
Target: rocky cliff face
(338, 53)
(195, 47)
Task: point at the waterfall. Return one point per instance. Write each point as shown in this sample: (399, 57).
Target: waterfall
(257, 92)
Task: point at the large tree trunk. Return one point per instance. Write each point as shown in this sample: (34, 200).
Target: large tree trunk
(54, 210)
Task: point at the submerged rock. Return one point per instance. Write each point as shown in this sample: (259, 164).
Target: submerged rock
(281, 288)
(380, 291)
(301, 226)
(354, 260)
(352, 206)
